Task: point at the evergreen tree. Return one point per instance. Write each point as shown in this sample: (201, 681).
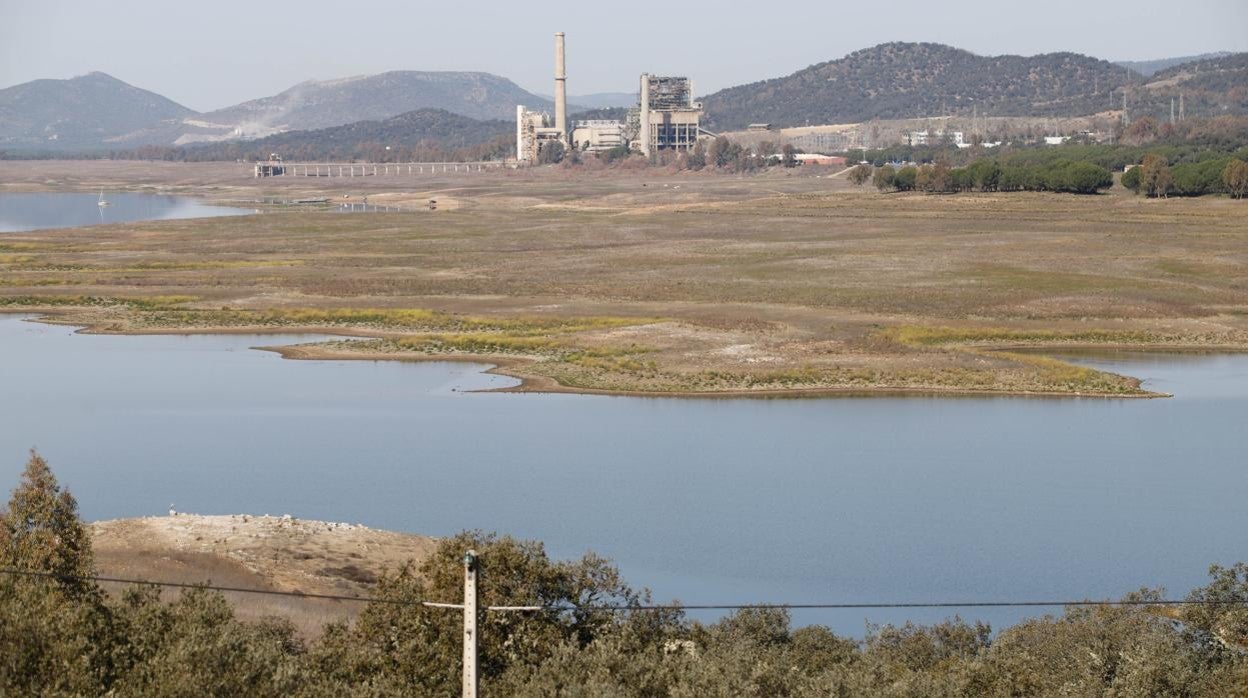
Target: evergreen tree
(40, 530)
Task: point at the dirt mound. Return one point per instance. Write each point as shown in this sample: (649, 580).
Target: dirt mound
(259, 552)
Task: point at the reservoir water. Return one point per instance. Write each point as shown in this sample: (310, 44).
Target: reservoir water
(33, 211)
(902, 499)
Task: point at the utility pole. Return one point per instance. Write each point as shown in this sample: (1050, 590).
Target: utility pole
(471, 680)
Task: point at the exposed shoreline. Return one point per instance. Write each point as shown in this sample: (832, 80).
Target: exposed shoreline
(654, 284)
(504, 366)
(507, 365)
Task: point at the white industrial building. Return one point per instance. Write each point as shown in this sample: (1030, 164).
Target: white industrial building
(666, 118)
(930, 137)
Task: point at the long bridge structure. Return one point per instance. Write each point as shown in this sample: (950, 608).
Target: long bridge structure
(369, 169)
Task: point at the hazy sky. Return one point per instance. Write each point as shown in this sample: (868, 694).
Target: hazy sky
(213, 53)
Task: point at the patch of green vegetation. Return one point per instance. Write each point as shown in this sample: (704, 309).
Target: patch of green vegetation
(478, 343)
(1048, 374)
(927, 336)
(404, 318)
(46, 301)
(1066, 377)
(1040, 375)
(146, 303)
(22, 246)
(151, 303)
(46, 281)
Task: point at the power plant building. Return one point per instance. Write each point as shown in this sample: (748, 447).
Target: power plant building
(666, 118)
(669, 117)
(598, 135)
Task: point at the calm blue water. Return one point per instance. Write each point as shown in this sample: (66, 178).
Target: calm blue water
(20, 212)
(708, 501)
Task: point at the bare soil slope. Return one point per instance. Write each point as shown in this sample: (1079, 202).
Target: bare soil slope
(258, 552)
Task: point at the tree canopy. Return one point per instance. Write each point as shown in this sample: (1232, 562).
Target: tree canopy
(136, 643)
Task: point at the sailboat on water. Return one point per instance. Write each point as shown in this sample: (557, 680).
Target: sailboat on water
(103, 201)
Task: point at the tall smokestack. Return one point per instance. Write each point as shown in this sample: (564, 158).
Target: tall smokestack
(561, 89)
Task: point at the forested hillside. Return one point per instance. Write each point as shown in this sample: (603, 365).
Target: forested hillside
(906, 80)
(1210, 87)
(1150, 68)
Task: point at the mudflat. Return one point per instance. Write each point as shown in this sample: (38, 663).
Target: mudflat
(654, 282)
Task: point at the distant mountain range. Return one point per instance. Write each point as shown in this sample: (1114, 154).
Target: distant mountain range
(312, 105)
(422, 134)
(98, 111)
(895, 80)
(83, 112)
(1149, 68)
(909, 80)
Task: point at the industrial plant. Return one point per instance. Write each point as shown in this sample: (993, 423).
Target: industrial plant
(666, 117)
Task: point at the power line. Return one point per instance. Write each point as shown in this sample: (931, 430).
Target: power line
(852, 606)
(188, 585)
(641, 607)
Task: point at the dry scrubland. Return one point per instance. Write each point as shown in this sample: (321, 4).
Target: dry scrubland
(658, 283)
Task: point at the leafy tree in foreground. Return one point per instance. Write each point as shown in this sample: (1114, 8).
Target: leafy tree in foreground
(56, 643)
(424, 644)
(40, 529)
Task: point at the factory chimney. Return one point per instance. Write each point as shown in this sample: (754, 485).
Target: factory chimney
(561, 90)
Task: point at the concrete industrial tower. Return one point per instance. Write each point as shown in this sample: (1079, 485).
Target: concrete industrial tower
(533, 129)
(561, 89)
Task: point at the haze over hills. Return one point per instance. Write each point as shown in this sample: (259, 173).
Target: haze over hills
(98, 111)
(1149, 68)
(894, 80)
(422, 134)
(80, 112)
(313, 104)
